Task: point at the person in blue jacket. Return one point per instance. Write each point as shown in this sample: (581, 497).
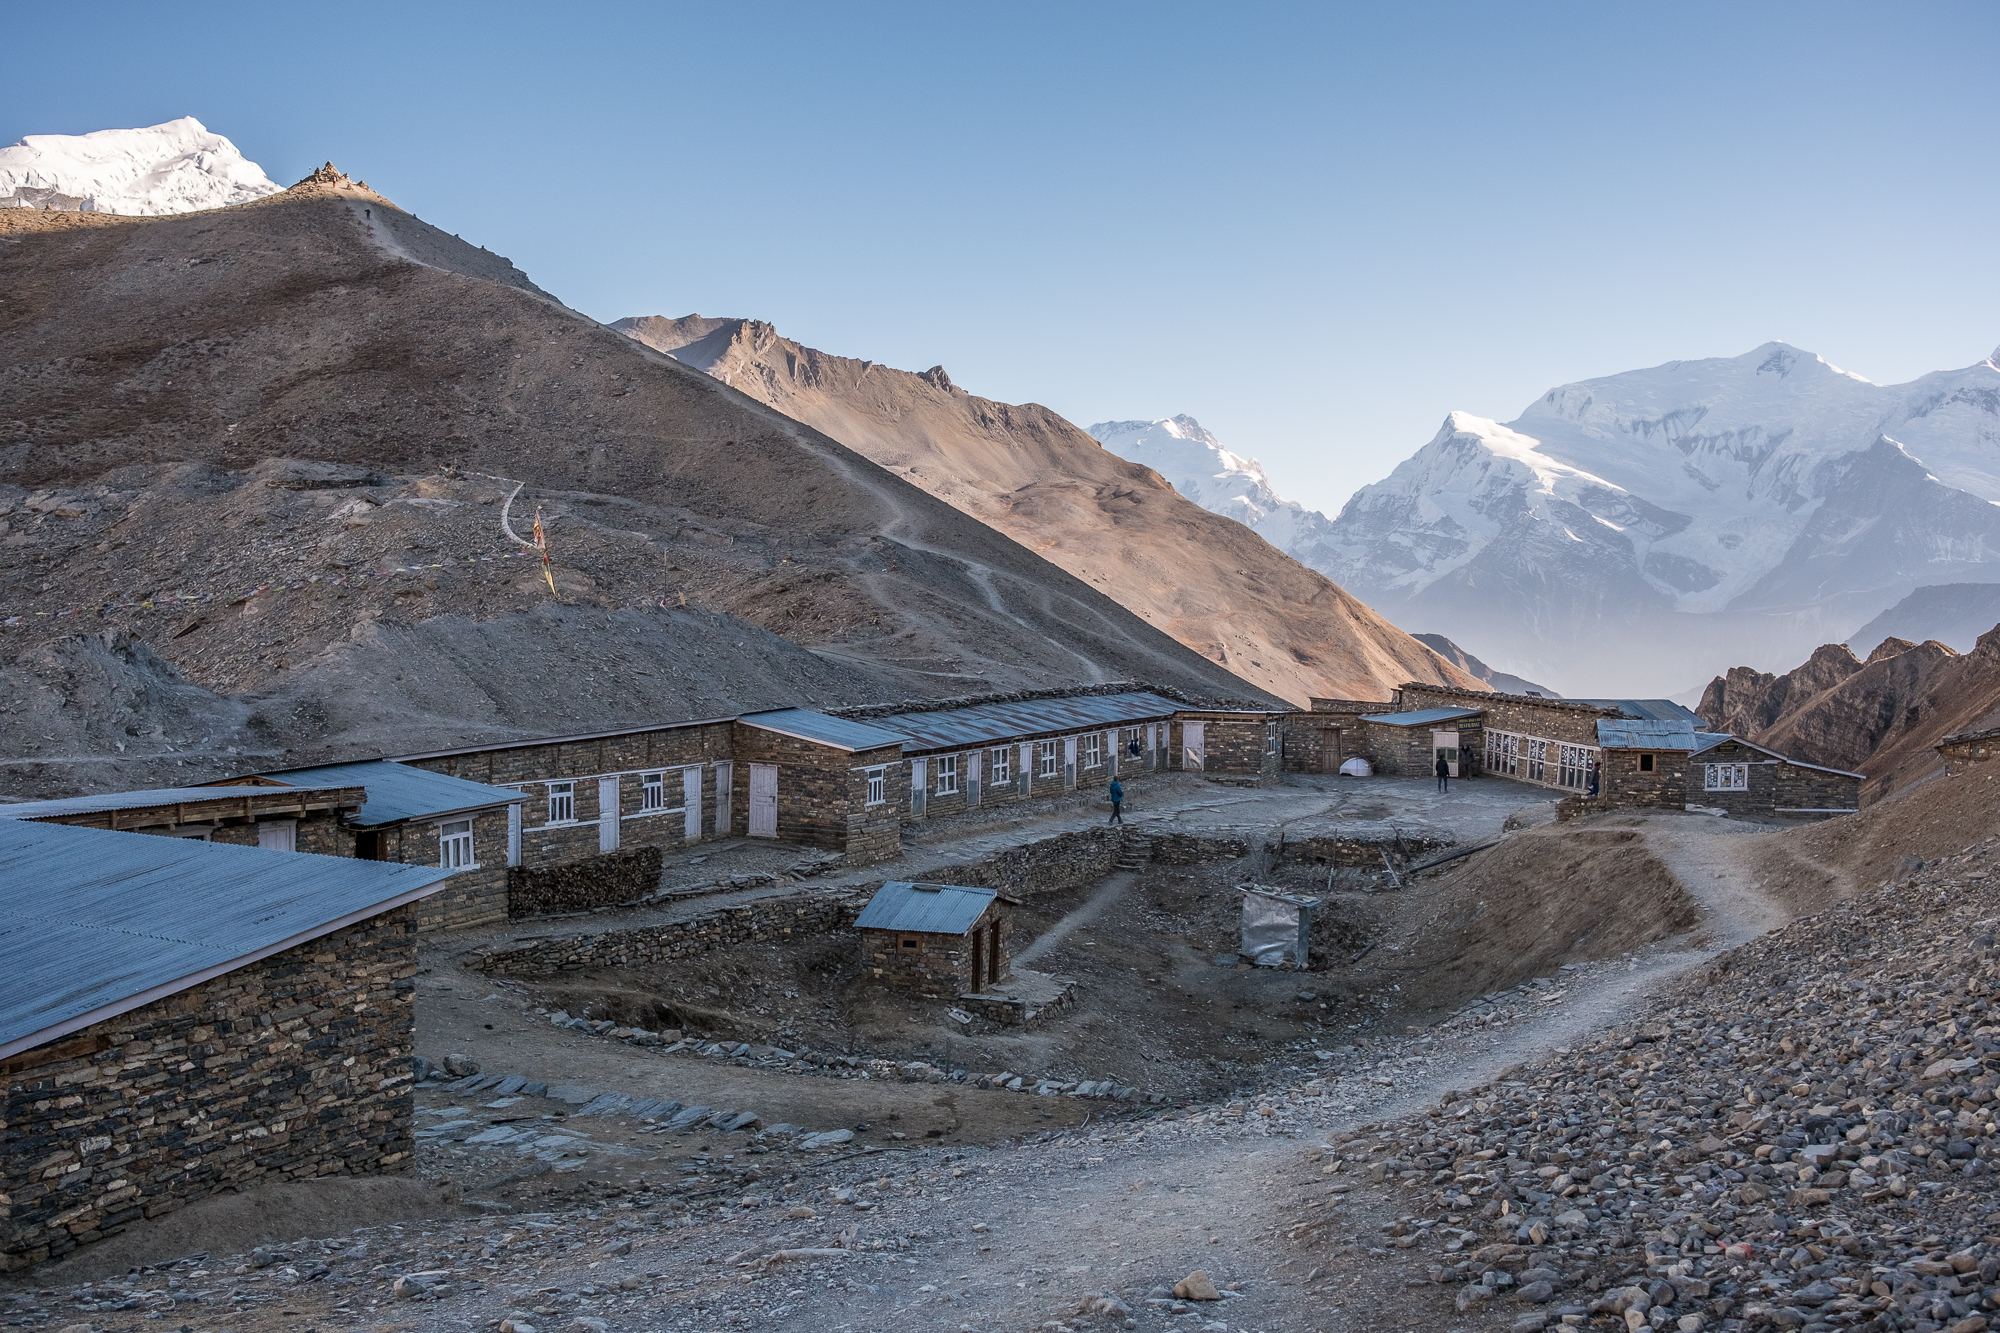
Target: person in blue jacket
(1117, 801)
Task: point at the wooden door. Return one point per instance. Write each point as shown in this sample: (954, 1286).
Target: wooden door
(1330, 757)
(978, 961)
(1194, 746)
(725, 789)
(763, 800)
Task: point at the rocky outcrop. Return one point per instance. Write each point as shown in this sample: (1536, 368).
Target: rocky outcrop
(1882, 717)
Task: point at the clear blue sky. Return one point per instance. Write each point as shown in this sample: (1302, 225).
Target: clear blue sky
(1318, 228)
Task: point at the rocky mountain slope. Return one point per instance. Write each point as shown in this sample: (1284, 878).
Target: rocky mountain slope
(1211, 583)
(177, 167)
(1953, 613)
(1882, 716)
(256, 462)
(1504, 682)
(1780, 500)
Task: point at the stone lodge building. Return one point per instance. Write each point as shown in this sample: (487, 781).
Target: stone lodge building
(1621, 753)
(180, 1016)
(936, 940)
(413, 816)
(294, 819)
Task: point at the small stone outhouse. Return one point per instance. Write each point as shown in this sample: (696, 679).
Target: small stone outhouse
(939, 940)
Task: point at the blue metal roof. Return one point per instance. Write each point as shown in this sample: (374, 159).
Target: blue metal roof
(933, 909)
(97, 923)
(1626, 733)
(982, 724)
(1650, 710)
(1423, 716)
(143, 800)
(837, 732)
(399, 791)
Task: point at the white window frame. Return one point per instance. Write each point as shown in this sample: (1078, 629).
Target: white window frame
(1726, 777)
(878, 786)
(652, 793)
(947, 775)
(1048, 759)
(1000, 765)
(1573, 766)
(561, 797)
(1093, 749)
(455, 845)
(1270, 737)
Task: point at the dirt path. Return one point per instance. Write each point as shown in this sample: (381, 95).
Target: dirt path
(1114, 887)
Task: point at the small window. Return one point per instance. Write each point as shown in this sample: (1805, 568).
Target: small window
(652, 791)
(1093, 750)
(455, 844)
(947, 774)
(1727, 777)
(877, 794)
(1045, 752)
(562, 803)
(911, 942)
(1001, 761)
(1645, 763)
(1271, 737)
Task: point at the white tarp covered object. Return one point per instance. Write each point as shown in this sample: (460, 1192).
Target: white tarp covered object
(1276, 926)
(1356, 767)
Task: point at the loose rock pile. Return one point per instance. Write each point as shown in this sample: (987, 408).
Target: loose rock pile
(743, 1053)
(1802, 1136)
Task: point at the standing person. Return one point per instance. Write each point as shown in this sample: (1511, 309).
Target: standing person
(1593, 777)
(1117, 802)
(1443, 772)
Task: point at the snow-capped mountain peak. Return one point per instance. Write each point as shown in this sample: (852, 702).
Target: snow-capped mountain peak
(1189, 456)
(1773, 491)
(176, 167)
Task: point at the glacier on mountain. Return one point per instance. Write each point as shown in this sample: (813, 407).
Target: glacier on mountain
(176, 167)
(1197, 466)
(1771, 499)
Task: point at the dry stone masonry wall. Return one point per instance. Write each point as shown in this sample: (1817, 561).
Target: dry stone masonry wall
(288, 1069)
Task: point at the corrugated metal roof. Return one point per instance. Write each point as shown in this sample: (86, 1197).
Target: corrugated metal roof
(980, 724)
(400, 791)
(142, 800)
(560, 740)
(1650, 710)
(1422, 716)
(839, 732)
(933, 909)
(98, 923)
(1623, 733)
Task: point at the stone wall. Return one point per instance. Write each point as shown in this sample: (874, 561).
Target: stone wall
(1410, 752)
(1623, 785)
(938, 966)
(287, 1069)
(1967, 750)
(1550, 719)
(1236, 746)
(582, 762)
(1051, 865)
(1319, 741)
(793, 917)
(823, 793)
(1775, 785)
(473, 896)
(1113, 762)
(607, 880)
